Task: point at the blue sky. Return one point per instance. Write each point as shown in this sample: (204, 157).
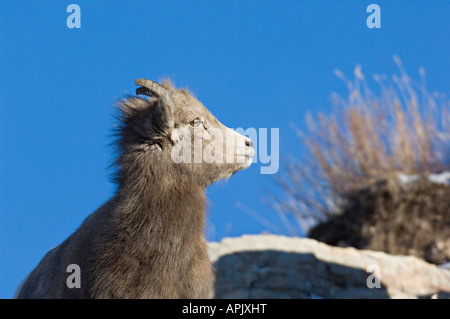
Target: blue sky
(261, 64)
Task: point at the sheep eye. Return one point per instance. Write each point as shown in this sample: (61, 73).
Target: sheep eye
(196, 122)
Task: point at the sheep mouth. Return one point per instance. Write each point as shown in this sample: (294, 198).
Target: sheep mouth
(250, 153)
(245, 160)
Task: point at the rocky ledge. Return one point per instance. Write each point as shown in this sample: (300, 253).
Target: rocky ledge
(270, 266)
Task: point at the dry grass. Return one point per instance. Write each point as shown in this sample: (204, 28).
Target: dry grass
(403, 128)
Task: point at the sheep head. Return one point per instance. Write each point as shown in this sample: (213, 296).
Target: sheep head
(175, 126)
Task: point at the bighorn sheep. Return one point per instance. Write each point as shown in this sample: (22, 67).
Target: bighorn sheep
(147, 241)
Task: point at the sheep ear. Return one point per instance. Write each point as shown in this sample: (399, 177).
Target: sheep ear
(163, 118)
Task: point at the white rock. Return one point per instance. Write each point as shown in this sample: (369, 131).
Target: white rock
(269, 266)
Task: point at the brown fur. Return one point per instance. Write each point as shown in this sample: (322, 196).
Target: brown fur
(147, 241)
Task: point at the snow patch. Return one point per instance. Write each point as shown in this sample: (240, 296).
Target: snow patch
(406, 179)
(441, 178)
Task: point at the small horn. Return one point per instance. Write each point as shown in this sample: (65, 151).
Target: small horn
(150, 88)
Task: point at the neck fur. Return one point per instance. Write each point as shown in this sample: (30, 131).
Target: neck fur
(157, 205)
